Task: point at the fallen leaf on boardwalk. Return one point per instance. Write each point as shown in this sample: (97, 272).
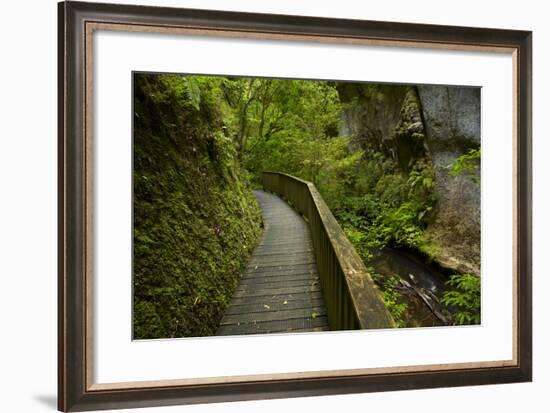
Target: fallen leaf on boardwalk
(256, 267)
(314, 315)
(285, 302)
(266, 306)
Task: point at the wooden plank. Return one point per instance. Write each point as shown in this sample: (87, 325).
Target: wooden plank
(287, 279)
(267, 259)
(275, 306)
(310, 330)
(268, 277)
(283, 267)
(282, 326)
(277, 298)
(279, 252)
(283, 262)
(261, 289)
(283, 246)
(262, 316)
(277, 283)
(261, 292)
(283, 270)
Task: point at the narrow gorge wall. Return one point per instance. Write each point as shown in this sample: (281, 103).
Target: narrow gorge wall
(434, 125)
(388, 119)
(452, 120)
(196, 220)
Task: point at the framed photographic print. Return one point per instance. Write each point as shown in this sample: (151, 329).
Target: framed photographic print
(262, 206)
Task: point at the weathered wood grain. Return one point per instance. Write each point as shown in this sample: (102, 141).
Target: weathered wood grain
(278, 298)
(275, 306)
(274, 326)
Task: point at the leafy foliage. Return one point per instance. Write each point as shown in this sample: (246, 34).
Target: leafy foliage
(392, 298)
(394, 208)
(289, 126)
(466, 297)
(468, 165)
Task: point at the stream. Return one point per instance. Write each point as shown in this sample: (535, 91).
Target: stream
(421, 286)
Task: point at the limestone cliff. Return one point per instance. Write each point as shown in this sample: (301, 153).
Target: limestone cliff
(388, 119)
(452, 119)
(433, 125)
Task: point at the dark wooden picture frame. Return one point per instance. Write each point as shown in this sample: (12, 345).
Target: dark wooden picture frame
(76, 392)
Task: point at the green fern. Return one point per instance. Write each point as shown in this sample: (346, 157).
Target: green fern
(466, 297)
(467, 164)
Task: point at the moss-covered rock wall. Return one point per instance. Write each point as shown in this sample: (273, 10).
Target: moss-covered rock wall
(387, 119)
(196, 220)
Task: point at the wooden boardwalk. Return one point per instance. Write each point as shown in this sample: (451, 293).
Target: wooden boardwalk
(279, 290)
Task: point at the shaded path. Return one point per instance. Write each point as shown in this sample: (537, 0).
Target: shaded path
(279, 290)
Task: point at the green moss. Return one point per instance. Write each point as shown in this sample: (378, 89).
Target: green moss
(196, 219)
(429, 248)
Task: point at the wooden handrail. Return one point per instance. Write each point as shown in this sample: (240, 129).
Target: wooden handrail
(352, 299)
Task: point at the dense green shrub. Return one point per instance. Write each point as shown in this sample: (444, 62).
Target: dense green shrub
(465, 296)
(468, 165)
(394, 208)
